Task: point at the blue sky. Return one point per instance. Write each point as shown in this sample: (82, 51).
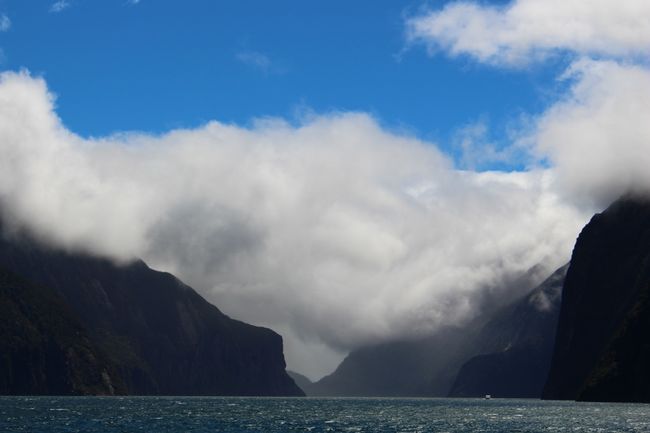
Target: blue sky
(164, 64)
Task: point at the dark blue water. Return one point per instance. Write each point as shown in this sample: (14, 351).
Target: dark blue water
(234, 415)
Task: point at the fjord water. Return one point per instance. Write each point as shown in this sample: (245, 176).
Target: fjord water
(257, 415)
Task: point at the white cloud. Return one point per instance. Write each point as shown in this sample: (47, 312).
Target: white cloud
(59, 6)
(598, 136)
(526, 30)
(5, 23)
(333, 222)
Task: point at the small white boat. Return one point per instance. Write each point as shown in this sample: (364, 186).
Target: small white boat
(488, 396)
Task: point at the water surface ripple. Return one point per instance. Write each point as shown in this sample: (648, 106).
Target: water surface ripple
(256, 415)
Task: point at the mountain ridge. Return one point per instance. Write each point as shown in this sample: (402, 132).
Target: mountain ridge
(162, 337)
(515, 346)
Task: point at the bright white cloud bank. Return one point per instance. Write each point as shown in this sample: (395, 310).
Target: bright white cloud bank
(337, 230)
(598, 136)
(531, 29)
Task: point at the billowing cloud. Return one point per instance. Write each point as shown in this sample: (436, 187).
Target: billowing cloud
(335, 229)
(525, 30)
(598, 136)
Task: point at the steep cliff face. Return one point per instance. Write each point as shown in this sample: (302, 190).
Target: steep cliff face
(44, 349)
(515, 347)
(161, 336)
(602, 346)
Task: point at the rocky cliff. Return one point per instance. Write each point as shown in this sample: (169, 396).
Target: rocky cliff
(149, 332)
(44, 349)
(602, 347)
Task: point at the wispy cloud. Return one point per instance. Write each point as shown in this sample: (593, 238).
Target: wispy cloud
(255, 59)
(477, 151)
(5, 23)
(134, 2)
(59, 6)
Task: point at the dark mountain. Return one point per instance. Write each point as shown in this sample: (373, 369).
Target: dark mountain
(302, 381)
(602, 348)
(44, 349)
(515, 347)
(422, 367)
(159, 335)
